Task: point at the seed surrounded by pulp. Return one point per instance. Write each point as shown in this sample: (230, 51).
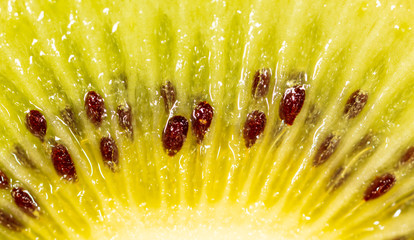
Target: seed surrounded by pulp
(174, 134)
(62, 161)
(36, 123)
(381, 185)
(68, 118)
(10, 222)
(261, 82)
(326, 149)
(254, 127)
(408, 157)
(109, 152)
(291, 104)
(125, 118)
(95, 108)
(356, 102)
(201, 119)
(24, 201)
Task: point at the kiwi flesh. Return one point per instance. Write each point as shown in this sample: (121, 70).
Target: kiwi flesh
(206, 119)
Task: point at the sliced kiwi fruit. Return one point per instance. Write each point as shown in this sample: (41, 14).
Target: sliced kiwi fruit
(206, 119)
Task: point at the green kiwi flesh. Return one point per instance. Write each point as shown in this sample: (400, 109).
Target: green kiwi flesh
(206, 119)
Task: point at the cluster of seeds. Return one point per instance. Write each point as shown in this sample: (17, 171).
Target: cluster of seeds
(61, 159)
(354, 105)
(175, 131)
(175, 134)
(96, 111)
(256, 120)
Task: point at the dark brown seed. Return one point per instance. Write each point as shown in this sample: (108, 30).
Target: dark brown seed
(63, 163)
(261, 82)
(125, 118)
(109, 152)
(95, 108)
(69, 119)
(408, 157)
(201, 120)
(24, 201)
(169, 95)
(36, 123)
(4, 181)
(356, 102)
(22, 156)
(326, 149)
(174, 134)
(381, 185)
(253, 127)
(10, 222)
(291, 104)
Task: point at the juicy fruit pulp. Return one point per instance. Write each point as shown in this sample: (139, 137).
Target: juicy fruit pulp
(170, 119)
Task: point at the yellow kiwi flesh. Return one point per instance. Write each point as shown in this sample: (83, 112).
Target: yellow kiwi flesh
(53, 53)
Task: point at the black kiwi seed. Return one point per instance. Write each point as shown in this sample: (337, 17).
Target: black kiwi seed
(68, 118)
(95, 108)
(109, 152)
(408, 157)
(326, 149)
(36, 123)
(24, 201)
(169, 95)
(356, 102)
(291, 103)
(261, 81)
(201, 119)
(125, 118)
(174, 134)
(379, 186)
(62, 161)
(4, 181)
(10, 222)
(253, 127)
